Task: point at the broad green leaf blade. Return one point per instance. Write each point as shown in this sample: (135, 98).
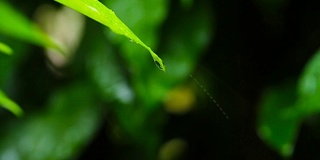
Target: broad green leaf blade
(16, 25)
(5, 49)
(100, 13)
(8, 104)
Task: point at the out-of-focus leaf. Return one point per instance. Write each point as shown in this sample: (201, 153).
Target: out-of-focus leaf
(8, 104)
(97, 11)
(104, 70)
(279, 120)
(309, 87)
(15, 25)
(57, 133)
(282, 110)
(5, 49)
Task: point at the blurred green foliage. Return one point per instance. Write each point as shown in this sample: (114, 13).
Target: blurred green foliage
(111, 83)
(107, 73)
(57, 132)
(283, 108)
(16, 25)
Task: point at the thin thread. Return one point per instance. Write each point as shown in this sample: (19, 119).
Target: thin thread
(214, 101)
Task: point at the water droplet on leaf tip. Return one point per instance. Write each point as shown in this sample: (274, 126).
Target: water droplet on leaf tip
(158, 65)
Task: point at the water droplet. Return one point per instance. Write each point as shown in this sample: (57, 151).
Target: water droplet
(130, 40)
(158, 65)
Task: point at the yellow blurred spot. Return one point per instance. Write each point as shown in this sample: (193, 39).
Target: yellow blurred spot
(180, 100)
(172, 149)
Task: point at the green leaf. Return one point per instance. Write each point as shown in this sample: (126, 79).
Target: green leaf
(8, 104)
(279, 120)
(309, 87)
(16, 25)
(5, 49)
(282, 110)
(100, 13)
